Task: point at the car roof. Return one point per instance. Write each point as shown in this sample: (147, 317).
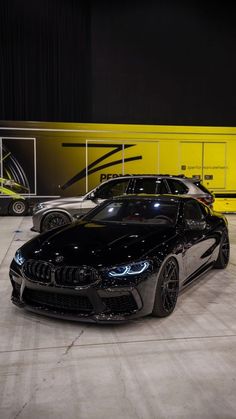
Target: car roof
(166, 198)
(159, 176)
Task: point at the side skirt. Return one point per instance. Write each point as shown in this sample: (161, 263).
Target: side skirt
(197, 275)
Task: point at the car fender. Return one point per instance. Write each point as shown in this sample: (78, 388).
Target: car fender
(52, 210)
(157, 271)
(175, 252)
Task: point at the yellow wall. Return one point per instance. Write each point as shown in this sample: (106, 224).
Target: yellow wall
(206, 151)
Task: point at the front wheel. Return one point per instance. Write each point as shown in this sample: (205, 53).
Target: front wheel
(224, 252)
(54, 219)
(167, 289)
(18, 207)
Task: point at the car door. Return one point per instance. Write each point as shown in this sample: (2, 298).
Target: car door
(198, 237)
(115, 187)
(106, 190)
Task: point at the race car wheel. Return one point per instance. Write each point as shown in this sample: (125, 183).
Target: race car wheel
(18, 207)
(224, 252)
(167, 289)
(54, 219)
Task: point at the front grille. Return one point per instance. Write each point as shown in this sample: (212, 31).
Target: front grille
(67, 302)
(120, 304)
(40, 271)
(36, 270)
(75, 276)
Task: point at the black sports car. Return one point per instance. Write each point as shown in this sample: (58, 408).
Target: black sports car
(127, 258)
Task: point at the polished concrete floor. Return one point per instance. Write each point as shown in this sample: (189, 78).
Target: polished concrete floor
(183, 366)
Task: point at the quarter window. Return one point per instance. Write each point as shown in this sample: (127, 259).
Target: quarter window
(177, 187)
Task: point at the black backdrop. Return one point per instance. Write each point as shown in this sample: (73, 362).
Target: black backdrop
(146, 62)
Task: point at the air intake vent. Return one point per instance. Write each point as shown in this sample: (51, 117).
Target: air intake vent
(67, 302)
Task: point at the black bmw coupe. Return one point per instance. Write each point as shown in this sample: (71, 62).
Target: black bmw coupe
(129, 257)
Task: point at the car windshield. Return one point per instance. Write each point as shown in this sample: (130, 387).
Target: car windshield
(146, 211)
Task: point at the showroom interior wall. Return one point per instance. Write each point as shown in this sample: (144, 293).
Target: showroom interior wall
(45, 52)
(153, 62)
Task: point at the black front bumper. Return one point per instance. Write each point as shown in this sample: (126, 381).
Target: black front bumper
(90, 304)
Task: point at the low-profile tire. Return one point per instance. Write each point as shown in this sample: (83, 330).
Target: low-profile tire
(53, 220)
(18, 207)
(224, 252)
(167, 289)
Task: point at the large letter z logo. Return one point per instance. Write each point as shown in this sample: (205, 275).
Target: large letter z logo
(96, 166)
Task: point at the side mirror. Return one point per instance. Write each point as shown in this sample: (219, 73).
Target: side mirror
(195, 225)
(92, 196)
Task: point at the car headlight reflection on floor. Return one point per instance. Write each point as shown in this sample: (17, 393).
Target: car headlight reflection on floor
(131, 269)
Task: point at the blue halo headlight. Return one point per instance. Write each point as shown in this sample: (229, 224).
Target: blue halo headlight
(19, 258)
(131, 269)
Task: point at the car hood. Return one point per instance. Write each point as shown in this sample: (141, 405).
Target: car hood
(63, 201)
(98, 244)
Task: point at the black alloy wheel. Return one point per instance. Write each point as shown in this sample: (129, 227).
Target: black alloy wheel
(18, 207)
(167, 289)
(224, 252)
(54, 219)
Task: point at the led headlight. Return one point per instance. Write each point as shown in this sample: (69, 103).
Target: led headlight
(19, 258)
(131, 269)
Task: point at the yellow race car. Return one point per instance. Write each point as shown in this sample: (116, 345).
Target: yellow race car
(16, 204)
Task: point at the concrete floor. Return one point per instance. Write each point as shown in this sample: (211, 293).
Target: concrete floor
(183, 366)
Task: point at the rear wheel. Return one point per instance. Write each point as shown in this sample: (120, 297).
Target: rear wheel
(224, 252)
(167, 289)
(54, 219)
(18, 207)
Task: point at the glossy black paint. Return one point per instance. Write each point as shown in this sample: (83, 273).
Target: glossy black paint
(99, 246)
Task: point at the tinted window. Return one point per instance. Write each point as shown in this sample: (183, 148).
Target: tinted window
(149, 186)
(110, 189)
(144, 185)
(193, 211)
(137, 211)
(177, 187)
(200, 186)
(161, 187)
